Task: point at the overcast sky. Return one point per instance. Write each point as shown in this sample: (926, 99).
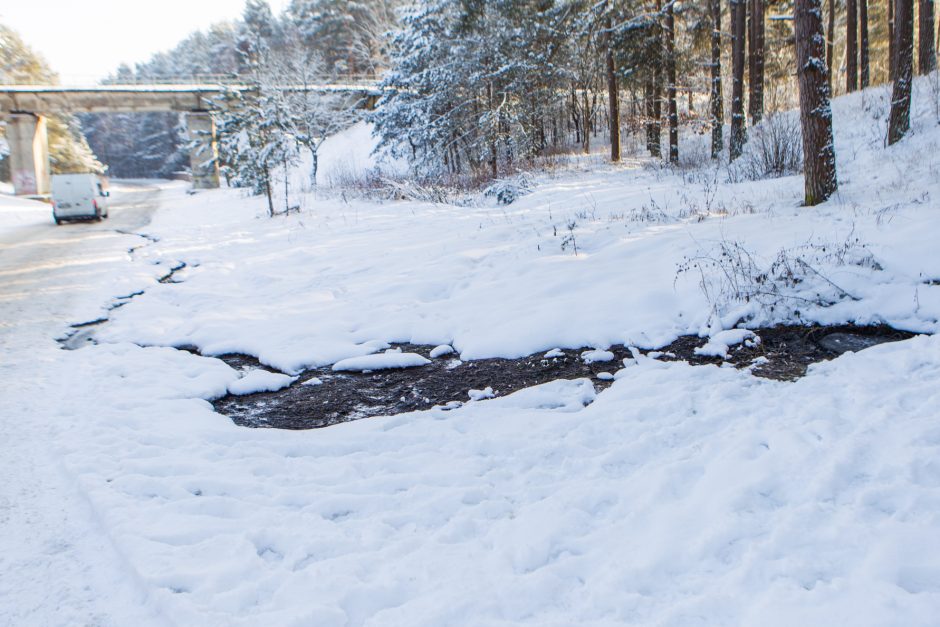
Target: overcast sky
(84, 40)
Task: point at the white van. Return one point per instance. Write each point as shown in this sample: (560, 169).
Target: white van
(79, 197)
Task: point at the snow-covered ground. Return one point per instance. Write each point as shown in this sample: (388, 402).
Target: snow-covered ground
(679, 496)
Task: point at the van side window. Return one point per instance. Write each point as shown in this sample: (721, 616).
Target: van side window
(100, 190)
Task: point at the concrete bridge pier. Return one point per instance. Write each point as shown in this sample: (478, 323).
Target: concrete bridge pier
(29, 153)
(203, 154)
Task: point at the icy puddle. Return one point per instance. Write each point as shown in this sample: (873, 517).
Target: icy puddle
(322, 397)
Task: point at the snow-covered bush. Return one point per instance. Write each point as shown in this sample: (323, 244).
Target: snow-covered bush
(774, 148)
(506, 191)
(739, 283)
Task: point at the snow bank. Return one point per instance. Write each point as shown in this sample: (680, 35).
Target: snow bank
(20, 212)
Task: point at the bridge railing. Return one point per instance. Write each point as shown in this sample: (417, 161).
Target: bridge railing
(193, 79)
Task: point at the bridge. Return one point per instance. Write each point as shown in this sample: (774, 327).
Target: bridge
(24, 108)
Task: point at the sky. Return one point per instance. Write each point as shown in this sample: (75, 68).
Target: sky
(86, 40)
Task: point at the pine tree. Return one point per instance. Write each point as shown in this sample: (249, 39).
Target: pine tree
(715, 96)
(892, 52)
(755, 103)
(926, 51)
(900, 118)
(851, 45)
(654, 123)
(346, 34)
(819, 158)
(613, 88)
(738, 136)
(670, 36)
(831, 38)
(864, 62)
(254, 138)
(255, 34)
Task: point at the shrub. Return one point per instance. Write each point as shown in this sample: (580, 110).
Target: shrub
(774, 148)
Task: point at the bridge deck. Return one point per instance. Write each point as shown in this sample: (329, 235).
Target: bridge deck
(138, 97)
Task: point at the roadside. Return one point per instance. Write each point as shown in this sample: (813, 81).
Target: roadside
(56, 560)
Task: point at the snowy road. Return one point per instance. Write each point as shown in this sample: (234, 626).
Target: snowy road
(57, 565)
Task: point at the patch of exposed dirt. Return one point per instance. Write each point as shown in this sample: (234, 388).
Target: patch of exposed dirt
(345, 396)
(784, 353)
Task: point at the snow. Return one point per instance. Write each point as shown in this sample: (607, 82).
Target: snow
(313, 381)
(260, 381)
(390, 271)
(480, 395)
(597, 355)
(680, 495)
(719, 344)
(347, 154)
(605, 376)
(16, 212)
(344, 157)
(555, 352)
(441, 350)
(381, 361)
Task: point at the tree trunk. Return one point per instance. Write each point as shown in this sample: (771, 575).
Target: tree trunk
(717, 112)
(494, 151)
(755, 61)
(575, 117)
(671, 84)
(286, 186)
(586, 121)
(864, 64)
(892, 53)
(613, 98)
(831, 38)
(267, 192)
(819, 157)
(926, 53)
(650, 111)
(863, 55)
(657, 150)
(737, 79)
(314, 165)
(656, 121)
(851, 45)
(900, 120)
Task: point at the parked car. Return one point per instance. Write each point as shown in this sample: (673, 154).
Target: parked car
(79, 197)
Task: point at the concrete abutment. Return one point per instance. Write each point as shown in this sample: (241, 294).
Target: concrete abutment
(203, 154)
(29, 153)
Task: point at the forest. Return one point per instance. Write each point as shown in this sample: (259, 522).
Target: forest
(476, 90)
